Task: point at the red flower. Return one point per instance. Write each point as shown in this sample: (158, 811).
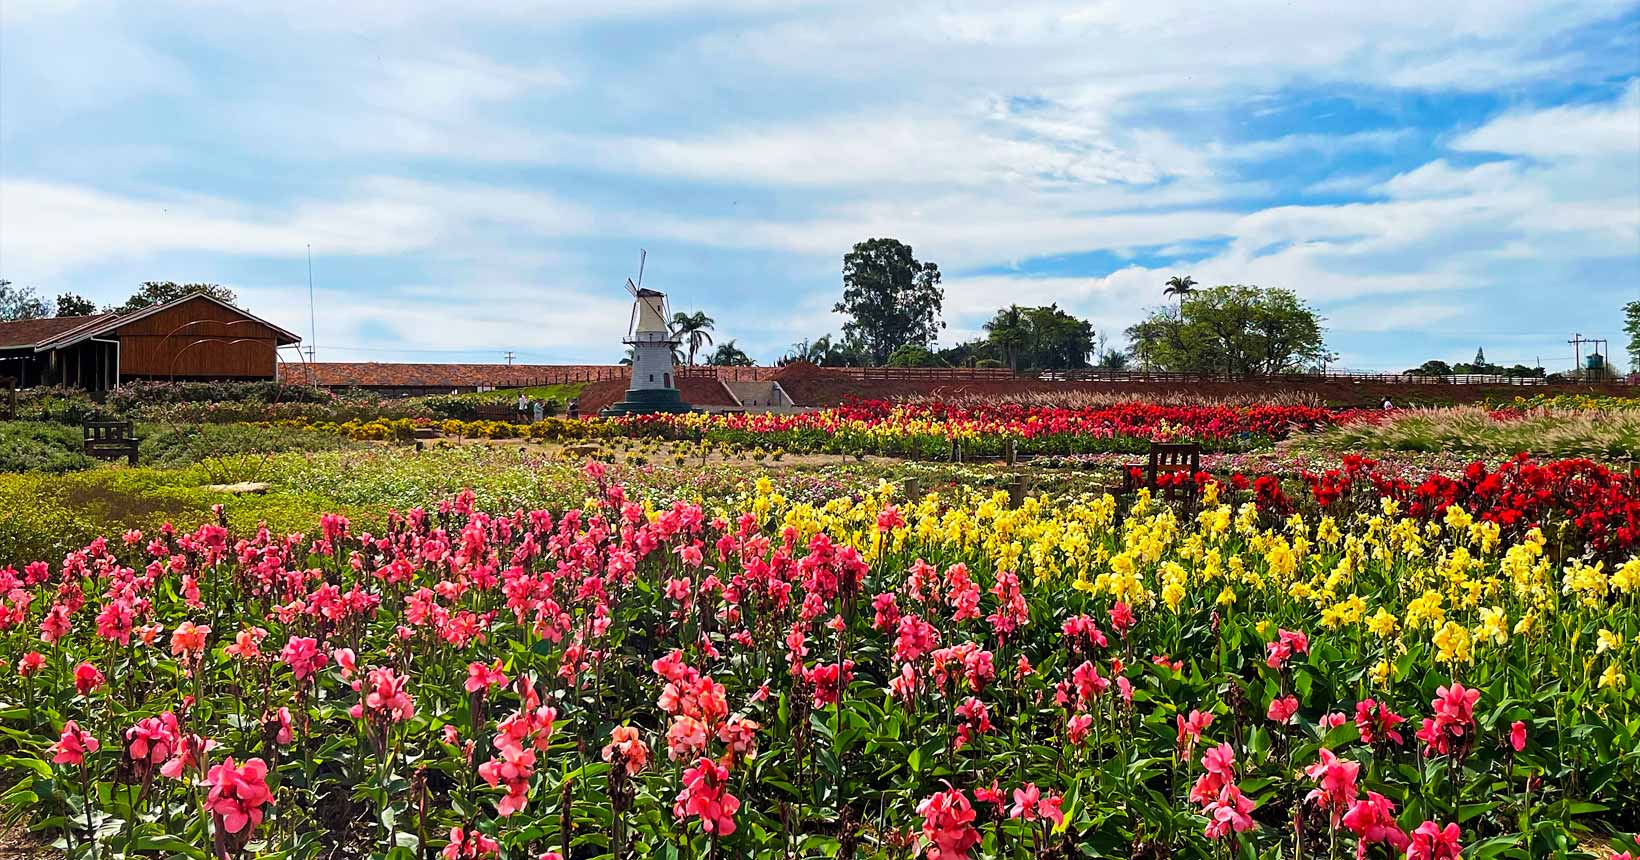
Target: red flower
(625, 745)
(948, 825)
(1283, 709)
(1517, 735)
(1335, 780)
(303, 657)
(1377, 723)
(705, 796)
(238, 794)
(74, 744)
(87, 678)
(1373, 820)
(1029, 805)
(1433, 842)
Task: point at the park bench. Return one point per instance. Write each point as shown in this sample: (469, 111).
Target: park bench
(1162, 473)
(111, 440)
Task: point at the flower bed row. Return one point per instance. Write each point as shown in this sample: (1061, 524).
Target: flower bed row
(1378, 670)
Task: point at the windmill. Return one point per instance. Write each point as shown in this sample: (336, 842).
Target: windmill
(653, 387)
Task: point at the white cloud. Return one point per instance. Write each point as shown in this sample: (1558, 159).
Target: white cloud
(1604, 129)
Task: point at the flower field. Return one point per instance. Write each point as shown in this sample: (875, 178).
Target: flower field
(1350, 663)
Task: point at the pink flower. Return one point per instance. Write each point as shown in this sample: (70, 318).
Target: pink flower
(1029, 805)
(948, 825)
(1287, 644)
(514, 769)
(188, 640)
(87, 678)
(1121, 618)
(1433, 842)
(1377, 723)
(1230, 812)
(465, 845)
(626, 746)
(346, 662)
(1372, 820)
(1191, 728)
(1076, 731)
(238, 794)
(1517, 735)
(1283, 709)
(73, 745)
(31, 663)
(303, 657)
(152, 740)
(705, 796)
(386, 697)
(1452, 728)
(480, 676)
(1335, 780)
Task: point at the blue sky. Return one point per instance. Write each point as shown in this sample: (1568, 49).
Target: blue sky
(473, 179)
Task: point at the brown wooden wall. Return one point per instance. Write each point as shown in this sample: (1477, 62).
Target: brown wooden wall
(199, 338)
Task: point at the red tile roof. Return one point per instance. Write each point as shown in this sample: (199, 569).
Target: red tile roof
(21, 333)
(370, 374)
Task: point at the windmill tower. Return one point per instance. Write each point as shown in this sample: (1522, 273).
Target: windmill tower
(653, 387)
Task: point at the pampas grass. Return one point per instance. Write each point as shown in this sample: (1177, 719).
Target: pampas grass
(1608, 435)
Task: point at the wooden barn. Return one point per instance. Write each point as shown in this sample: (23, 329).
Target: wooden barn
(195, 337)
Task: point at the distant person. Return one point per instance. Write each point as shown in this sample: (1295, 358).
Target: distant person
(574, 407)
(536, 410)
(1388, 405)
(523, 405)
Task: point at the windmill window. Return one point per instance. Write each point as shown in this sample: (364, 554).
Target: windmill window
(651, 377)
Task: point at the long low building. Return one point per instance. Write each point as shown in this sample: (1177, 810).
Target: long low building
(411, 379)
(195, 337)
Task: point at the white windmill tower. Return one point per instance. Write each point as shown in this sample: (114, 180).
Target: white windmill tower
(653, 387)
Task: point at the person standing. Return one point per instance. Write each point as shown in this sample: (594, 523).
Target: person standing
(523, 406)
(536, 411)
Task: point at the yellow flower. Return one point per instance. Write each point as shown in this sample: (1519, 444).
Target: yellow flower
(1613, 677)
(1453, 644)
(1494, 625)
(1607, 641)
(1380, 673)
(1227, 597)
(1627, 577)
(1382, 623)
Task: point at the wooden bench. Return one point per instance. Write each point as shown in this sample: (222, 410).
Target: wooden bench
(111, 440)
(1165, 459)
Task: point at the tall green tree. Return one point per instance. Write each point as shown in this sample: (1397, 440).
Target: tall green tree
(1244, 330)
(1059, 341)
(74, 305)
(1181, 286)
(891, 299)
(1631, 327)
(1010, 332)
(21, 303)
(160, 292)
(728, 354)
(825, 351)
(695, 329)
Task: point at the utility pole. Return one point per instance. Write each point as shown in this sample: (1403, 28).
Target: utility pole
(509, 357)
(1577, 354)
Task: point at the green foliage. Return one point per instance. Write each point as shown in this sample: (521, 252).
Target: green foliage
(1235, 329)
(826, 351)
(912, 355)
(728, 354)
(36, 446)
(1044, 338)
(695, 329)
(21, 303)
(135, 396)
(59, 404)
(196, 443)
(891, 298)
(160, 292)
(74, 305)
(1631, 327)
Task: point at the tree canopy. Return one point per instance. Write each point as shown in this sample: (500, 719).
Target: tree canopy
(160, 292)
(1044, 338)
(695, 329)
(1232, 329)
(728, 354)
(21, 303)
(74, 305)
(1631, 327)
(891, 299)
(912, 355)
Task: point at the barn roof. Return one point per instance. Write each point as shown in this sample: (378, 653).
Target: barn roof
(106, 323)
(370, 374)
(20, 334)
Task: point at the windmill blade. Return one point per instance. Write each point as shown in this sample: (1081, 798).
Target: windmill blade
(631, 289)
(643, 257)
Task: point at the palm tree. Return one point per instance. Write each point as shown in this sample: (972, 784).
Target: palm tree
(693, 328)
(728, 354)
(1010, 330)
(1181, 287)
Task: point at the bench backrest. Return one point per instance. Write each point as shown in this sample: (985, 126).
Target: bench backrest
(108, 431)
(1169, 458)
